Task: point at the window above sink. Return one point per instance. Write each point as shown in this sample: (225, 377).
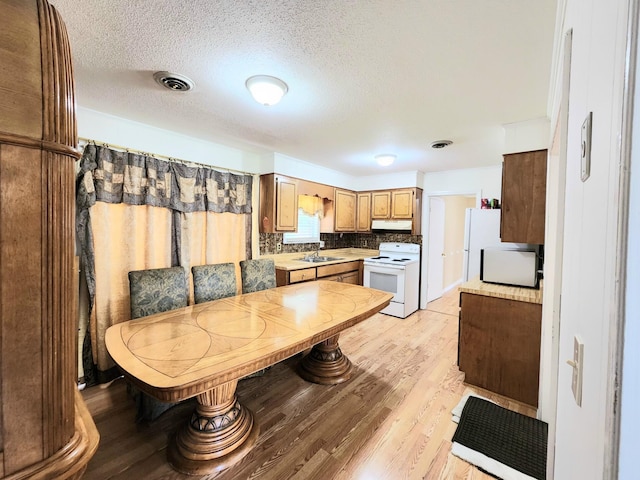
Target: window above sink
(308, 228)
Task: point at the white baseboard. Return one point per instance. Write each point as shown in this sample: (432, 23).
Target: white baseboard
(452, 286)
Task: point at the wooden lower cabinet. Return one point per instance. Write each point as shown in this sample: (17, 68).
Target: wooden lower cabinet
(346, 272)
(350, 277)
(499, 345)
(305, 275)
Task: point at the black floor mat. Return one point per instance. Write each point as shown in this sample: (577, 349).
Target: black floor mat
(508, 437)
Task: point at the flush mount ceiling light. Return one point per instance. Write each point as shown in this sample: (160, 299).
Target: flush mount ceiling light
(265, 89)
(385, 159)
(441, 143)
(173, 81)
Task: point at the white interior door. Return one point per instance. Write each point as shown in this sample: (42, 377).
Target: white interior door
(435, 266)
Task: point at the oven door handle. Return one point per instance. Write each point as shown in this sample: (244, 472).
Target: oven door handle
(383, 268)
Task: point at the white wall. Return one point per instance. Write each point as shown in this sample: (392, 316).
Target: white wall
(526, 136)
(113, 130)
(485, 181)
(297, 168)
(388, 180)
(590, 242)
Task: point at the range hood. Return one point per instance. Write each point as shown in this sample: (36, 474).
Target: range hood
(398, 226)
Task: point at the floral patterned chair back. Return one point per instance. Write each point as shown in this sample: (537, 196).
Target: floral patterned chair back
(157, 290)
(257, 274)
(211, 282)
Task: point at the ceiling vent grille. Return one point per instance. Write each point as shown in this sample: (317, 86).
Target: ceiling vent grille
(173, 81)
(441, 143)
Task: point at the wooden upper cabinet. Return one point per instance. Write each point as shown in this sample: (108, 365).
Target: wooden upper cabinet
(345, 211)
(402, 204)
(393, 204)
(286, 205)
(524, 188)
(278, 203)
(363, 217)
(380, 205)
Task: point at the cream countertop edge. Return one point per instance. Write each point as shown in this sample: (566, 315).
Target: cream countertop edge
(287, 261)
(520, 294)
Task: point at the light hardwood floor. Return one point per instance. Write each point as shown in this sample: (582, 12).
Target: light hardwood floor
(392, 420)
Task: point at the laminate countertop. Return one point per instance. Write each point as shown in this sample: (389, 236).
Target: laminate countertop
(290, 261)
(520, 294)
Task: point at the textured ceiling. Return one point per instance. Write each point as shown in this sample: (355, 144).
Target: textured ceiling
(364, 76)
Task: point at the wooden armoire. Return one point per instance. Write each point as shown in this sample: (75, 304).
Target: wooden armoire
(46, 431)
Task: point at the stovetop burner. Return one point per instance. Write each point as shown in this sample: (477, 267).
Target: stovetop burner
(395, 255)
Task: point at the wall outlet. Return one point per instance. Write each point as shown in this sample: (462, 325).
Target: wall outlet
(364, 243)
(577, 365)
(278, 247)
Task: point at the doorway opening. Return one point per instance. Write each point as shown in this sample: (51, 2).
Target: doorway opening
(445, 241)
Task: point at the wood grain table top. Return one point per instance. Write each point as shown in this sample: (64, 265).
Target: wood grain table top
(182, 353)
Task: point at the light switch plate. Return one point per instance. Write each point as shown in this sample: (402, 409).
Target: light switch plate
(576, 378)
(585, 148)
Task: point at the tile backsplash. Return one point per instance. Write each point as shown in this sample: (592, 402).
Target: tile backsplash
(269, 241)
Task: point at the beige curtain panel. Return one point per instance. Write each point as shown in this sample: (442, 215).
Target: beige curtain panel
(137, 212)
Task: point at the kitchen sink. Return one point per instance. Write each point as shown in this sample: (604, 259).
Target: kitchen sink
(319, 259)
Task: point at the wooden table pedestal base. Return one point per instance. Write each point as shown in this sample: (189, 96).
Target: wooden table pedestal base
(220, 432)
(326, 364)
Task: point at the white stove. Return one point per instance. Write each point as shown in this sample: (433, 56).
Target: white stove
(396, 270)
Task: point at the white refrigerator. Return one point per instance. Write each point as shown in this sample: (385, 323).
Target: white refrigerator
(482, 230)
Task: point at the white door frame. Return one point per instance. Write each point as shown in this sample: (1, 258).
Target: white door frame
(424, 268)
(621, 453)
(554, 246)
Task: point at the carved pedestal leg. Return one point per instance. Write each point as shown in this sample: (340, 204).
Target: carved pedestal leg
(220, 432)
(326, 364)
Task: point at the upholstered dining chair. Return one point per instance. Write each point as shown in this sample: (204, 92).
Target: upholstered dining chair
(257, 274)
(211, 282)
(154, 291)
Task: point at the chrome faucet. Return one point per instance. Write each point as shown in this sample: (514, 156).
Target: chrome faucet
(314, 254)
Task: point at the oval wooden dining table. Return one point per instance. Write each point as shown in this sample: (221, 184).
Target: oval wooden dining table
(203, 350)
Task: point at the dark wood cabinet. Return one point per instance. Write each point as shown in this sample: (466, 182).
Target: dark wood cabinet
(499, 345)
(524, 188)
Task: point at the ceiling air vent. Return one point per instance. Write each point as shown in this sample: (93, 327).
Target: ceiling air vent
(441, 143)
(173, 81)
